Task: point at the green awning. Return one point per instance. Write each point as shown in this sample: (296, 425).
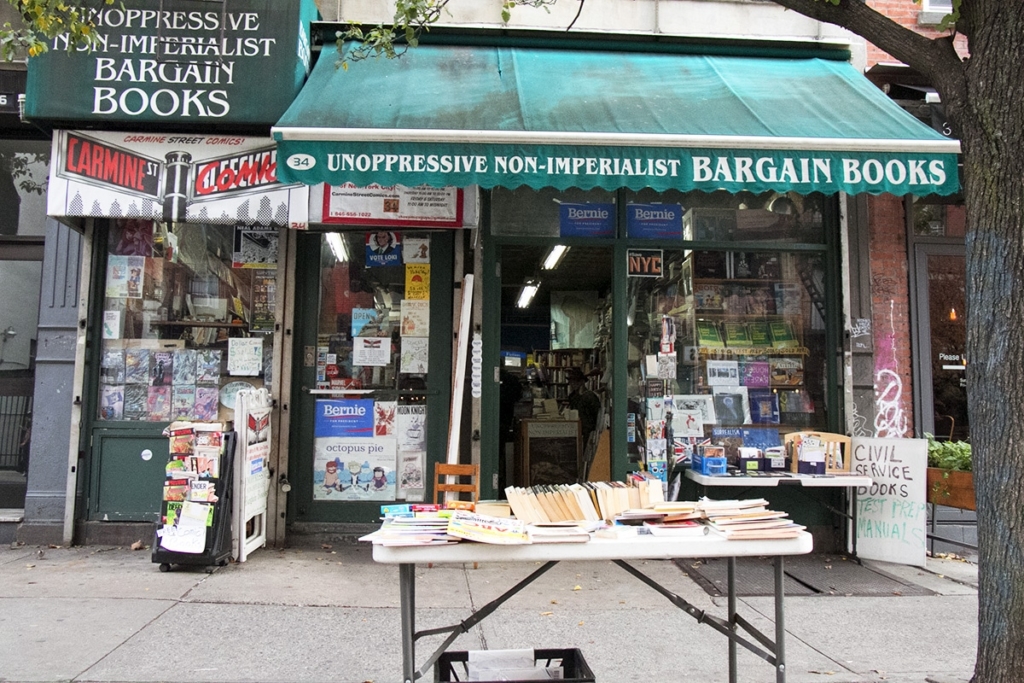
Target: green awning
(513, 116)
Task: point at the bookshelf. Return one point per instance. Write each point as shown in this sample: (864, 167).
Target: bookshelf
(555, 365)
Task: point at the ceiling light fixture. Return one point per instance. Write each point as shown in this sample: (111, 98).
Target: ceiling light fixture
(527, 293)
(555, 256)
(337, 245)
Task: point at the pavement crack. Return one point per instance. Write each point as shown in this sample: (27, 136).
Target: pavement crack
(81, 674)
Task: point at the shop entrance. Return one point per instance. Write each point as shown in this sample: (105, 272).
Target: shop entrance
(941, 296)
(556, 363)
(372, 371)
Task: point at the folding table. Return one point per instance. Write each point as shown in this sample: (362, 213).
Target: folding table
(616, 551)
(848, 482)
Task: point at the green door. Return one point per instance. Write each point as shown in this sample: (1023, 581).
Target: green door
(372, 371)
(128, 480)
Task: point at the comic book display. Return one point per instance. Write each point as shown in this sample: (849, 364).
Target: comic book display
(195, 513)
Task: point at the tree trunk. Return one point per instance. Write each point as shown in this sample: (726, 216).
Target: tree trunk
(991, 127)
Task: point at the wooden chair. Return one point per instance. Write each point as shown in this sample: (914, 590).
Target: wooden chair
(837, 448)
(443, 470)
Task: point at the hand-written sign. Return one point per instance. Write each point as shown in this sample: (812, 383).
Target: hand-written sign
(891, 512)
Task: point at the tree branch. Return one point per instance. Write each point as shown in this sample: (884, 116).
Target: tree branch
(935, 58)
(917, 51)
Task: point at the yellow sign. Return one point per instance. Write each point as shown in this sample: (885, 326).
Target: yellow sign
(417, 281)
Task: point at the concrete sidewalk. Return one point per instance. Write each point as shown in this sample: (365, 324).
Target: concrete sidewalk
(108, 614)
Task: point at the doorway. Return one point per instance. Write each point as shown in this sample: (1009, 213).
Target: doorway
(371, 373)
(941, 325)
(556, 363)
(21, 268)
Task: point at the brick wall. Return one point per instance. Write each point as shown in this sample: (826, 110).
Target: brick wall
(890, 286)
(890, 318)
(906, 13)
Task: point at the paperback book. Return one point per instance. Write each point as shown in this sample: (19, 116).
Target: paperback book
(136, 398)
(759, 334)
(732, 405)
(184, 366)
(161, 368)
(486, 529)
(764, 406)
(183, 400)
(158, 401)
(205, 406)
(708, 334)
(782, 334)
(112, 402)
(208, 366)
(136, 366)
(112, 367)
(736, 334)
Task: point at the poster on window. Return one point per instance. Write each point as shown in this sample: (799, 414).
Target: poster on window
(264, 300)
(411, 481)
(353, 469)
(254, 247)
(417, 281)
(416, 249)
(372, 351)
(415, 357)
(415, 318)
(344, 418)
(124, 277)
(412, 428)
(383, 248)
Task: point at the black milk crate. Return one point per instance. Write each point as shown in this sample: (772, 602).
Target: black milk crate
(451, 666)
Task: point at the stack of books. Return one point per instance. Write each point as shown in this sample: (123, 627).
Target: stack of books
(591, 501)
(679, 518)
(428, 529)
(747, 519)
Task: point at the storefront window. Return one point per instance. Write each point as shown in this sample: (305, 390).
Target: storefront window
(524, 212)
(188, 319)
(372, 360)
(938, 219)
(726, 325)
(24, 169)
(727, 345)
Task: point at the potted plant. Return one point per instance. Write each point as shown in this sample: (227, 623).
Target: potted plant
(950, 481)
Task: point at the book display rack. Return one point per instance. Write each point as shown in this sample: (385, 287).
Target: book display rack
(195, 515)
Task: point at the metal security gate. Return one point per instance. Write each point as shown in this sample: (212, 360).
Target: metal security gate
(15, 430)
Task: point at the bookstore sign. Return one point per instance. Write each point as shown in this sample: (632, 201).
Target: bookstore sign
(177, 64)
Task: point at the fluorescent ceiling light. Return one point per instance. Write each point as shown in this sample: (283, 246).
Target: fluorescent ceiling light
(555, 256)
(526, 294)
(337, 245)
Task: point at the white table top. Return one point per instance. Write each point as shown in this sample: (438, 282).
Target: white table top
(805, 480)
(637, 548)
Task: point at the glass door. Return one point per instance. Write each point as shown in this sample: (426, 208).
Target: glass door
(372, 371)
(941, 274)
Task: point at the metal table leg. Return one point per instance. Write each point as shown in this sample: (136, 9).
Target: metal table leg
(731, 581)
(407, 590)
(780, 622)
